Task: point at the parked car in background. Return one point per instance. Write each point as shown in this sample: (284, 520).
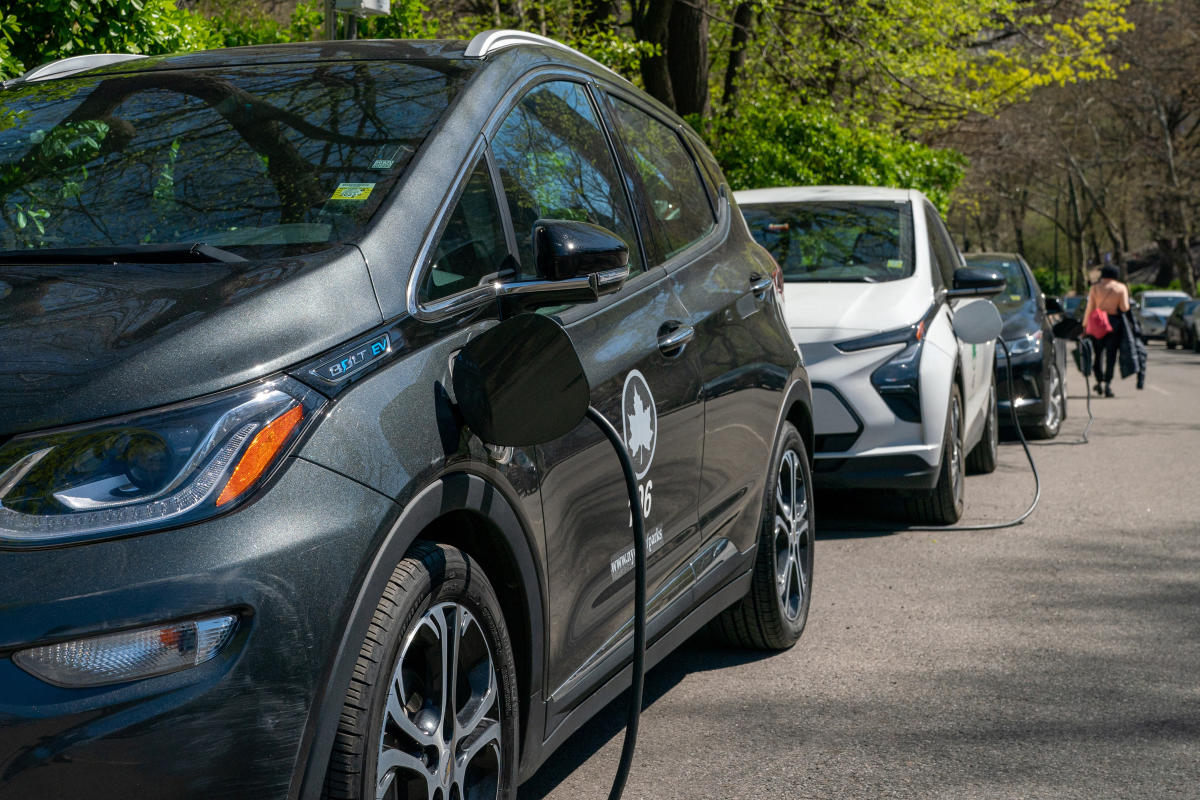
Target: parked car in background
(1153, 308)
(1039, 360)
(1183, 326)
(249, 546)
(870, 279)
(1072, 304)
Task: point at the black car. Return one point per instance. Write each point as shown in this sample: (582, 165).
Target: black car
(1039, 360)
(249, 546)
(1183, 326)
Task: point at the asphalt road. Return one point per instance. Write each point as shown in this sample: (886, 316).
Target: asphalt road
(1059, 659)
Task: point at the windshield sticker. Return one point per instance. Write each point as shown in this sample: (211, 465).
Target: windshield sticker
(352, 191)
(895, 264)
(640, 422)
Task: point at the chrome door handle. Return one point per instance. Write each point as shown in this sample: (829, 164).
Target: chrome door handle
(673, 339)
(760, 286)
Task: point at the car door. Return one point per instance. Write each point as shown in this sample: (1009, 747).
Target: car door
(735, 340)
(555, 160)
(975, 361)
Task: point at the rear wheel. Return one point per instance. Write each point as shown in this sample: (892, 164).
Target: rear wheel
(431, 709)
(1170, 344)
(772, 614)
(1056, 407)
(982, 459)
(943, 504)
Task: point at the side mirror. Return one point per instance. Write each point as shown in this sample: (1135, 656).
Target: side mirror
(579, 262)
(977, 323)
(1053, 306)
(976, 282)
(521, 383)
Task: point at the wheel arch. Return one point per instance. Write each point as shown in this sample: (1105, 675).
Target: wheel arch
(466, 511)
(799, 413)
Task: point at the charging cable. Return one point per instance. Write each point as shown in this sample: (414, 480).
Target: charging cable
(639, 604)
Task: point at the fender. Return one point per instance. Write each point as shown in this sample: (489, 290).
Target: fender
(453, 492)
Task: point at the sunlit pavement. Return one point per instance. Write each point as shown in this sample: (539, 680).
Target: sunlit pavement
(1060, 659)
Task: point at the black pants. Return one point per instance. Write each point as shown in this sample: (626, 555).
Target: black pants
(1107, 348)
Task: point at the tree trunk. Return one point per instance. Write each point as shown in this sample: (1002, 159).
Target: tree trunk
(744, 17)
(650, 24)
(687, 57)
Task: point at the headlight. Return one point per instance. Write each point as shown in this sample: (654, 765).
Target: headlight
(157, 468)
(1031, 343)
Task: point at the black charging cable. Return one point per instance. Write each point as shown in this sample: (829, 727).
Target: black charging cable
(639, 603)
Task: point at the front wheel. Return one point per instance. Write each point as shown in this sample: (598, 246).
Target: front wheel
(943, 504)
(431, 710)
(772, 614)
(1056, 407)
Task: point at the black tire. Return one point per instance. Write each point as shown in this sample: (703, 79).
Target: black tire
(1195, 342)
(1056, 407)
(1170, 344)
(943, 504)
(772, 616)
(983, 457)
(433, 590)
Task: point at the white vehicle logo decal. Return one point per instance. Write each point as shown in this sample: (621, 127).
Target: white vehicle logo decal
(639, 421)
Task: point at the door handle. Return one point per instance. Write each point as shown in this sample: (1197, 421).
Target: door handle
(760, 285)
(672, 336)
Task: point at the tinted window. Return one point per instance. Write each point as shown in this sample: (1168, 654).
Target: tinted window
(555, 163)
(472, 246)
(1162, 301)
(857, 242)
(945, 254)
(1016, 287)
(669, 177)
(286, 156)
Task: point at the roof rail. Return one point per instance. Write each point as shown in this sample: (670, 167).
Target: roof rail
(69, 66)
(495, 40)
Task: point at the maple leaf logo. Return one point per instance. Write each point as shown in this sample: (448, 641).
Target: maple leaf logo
(641, 430)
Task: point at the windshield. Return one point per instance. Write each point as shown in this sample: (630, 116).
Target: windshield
(282, 157)
(1162, 301)
(1016, 287)
(832, 241)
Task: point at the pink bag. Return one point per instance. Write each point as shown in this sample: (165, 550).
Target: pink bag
(1098, 325)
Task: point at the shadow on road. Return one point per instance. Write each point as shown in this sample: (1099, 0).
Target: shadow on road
(696, 655)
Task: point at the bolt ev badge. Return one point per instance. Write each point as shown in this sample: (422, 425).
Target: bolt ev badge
(639, 421)
(352, 361)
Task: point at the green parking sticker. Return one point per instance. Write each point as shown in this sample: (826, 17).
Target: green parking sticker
(352, 191)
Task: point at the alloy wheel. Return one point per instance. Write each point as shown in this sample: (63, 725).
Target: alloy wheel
(1054, 404)
(956, 452)
(793, 536)
(441, 737)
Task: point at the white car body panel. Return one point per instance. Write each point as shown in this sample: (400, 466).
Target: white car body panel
(820, 314)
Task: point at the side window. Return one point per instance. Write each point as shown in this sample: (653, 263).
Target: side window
(944, 252)
(555, 163)
(670, 178)
(472, 247)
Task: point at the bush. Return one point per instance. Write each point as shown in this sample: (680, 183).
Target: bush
(1045, 281)
(773, 142)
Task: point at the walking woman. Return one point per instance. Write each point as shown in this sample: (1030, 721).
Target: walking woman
(1110, 296)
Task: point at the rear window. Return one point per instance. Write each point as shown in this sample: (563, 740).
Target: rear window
(829, 241)
(251, 158)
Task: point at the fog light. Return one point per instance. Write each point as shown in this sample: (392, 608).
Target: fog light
(129, 655)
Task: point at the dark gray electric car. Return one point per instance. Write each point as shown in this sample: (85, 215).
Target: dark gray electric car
(249, 547)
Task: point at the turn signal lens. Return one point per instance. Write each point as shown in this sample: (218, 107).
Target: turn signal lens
(261, 453)
(129, 655)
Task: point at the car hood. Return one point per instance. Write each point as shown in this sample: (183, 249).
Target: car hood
(819, 312)
(90, 341)
(1020, 321)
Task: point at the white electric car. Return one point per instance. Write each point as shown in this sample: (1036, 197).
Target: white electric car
(872, 284)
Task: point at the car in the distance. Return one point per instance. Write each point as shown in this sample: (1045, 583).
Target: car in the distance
(872, 282)
(1039, 359)
(1153, 308)
(250, 545)
(1183, 326)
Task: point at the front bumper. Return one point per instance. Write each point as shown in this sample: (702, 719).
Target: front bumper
(1154, 327)
(1029, 387)
(233, 727)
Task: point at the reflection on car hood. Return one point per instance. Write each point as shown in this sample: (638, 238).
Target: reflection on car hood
(1020, 320)
(90, 341)
(833, 311)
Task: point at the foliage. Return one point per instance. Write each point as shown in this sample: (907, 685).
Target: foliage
(1047, 283)
(9, 28)
(52, 29)
(776, 143)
